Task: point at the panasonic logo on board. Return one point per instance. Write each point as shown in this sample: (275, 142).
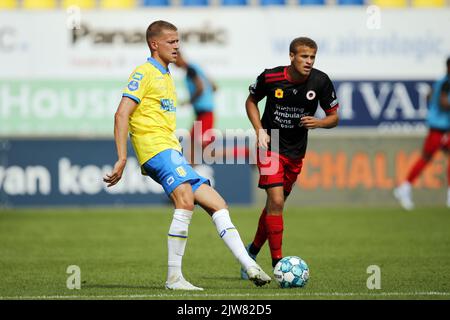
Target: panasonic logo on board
(204, 34)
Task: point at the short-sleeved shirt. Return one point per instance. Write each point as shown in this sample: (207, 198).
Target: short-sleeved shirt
(287, 102)
(152, 125)
(437, 117)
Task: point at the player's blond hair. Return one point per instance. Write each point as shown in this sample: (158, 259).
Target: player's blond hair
(157, 27)
(302, 41)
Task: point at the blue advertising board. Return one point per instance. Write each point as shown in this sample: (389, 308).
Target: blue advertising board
(59, 172)
(383, 104)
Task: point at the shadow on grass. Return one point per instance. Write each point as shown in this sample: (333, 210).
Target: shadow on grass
(223, 278)
(122, 286)
(233, 283)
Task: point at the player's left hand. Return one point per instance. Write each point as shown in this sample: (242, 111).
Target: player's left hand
(116, 174)
(184, 103)
(309, 122)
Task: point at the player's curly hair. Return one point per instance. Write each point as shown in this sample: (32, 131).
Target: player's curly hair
(156, 27)
(302, 41)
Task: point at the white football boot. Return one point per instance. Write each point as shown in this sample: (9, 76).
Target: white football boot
(403, 195)
(244, 275)
(257, 275)
(182, 284)
(448, 198)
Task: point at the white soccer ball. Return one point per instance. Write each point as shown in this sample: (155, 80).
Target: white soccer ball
(291, 272)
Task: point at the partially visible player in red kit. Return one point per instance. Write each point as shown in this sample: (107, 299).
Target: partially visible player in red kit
(293, 94)
(438, 121)
(201, 92)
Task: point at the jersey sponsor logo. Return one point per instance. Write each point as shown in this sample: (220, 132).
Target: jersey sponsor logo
(170, 180)
(252, 88)
(310, 95)
(133, 85)
(137, 76)
(279, 93)
(181, 172)
(167, 105)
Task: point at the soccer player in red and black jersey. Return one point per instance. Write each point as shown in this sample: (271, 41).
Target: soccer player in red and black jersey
(293, 94)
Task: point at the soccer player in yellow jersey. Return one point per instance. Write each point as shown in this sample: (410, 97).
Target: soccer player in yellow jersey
(147, 112)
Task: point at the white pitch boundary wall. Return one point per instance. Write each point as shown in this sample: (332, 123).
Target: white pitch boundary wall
(354, 43)
(61, 73)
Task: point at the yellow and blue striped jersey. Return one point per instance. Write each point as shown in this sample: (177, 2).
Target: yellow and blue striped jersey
(152, 125)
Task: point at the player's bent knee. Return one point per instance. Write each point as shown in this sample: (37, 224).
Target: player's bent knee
(220, 205)
(184, 200)
(211, 208)
(276, 205)
(214, 207)
(186, 205)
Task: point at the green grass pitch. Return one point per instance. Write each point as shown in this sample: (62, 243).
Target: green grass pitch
(122, 253)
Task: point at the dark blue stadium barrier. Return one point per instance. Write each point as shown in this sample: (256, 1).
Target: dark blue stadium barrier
(272, 2)
(68, 172)
(350, 2)
(234, 2)
(311, 2)
(195, 3)
(156, 3)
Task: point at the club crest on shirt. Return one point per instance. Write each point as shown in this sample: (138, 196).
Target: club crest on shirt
(252, 88)
(181, 172)
(310, 95)
(279, 93)
(133, 85)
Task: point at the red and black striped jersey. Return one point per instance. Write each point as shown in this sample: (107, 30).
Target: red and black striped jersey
(287, 102)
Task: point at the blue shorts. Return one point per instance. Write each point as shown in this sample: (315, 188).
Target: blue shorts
(170, 169)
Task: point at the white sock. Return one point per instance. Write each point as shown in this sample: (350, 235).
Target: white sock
(406, 186)
(230, 236)
(176, 242)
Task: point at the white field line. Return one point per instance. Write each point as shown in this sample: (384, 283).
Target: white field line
(230, 295)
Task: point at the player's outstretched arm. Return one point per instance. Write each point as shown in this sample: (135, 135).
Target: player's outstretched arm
(251, 106)
(125, 109)
(444, 99)
(199, 88)
(330, 121)
(213, 85)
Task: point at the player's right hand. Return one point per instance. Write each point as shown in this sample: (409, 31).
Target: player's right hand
(263, 139)
(116, 174)
(184, 103)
